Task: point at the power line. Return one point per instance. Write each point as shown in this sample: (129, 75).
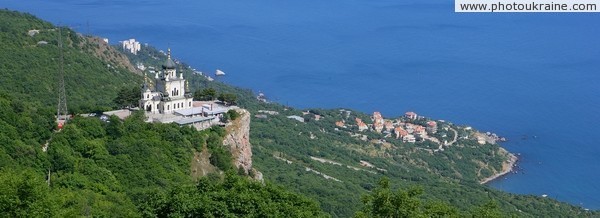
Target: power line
(62, 114)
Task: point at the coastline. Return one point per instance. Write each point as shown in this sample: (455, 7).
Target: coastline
(507, 167)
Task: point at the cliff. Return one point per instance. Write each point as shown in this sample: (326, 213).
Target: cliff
(238, 141)
(507, 166)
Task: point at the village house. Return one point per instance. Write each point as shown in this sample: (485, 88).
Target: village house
(377, 118)
(377, 126)
(296, 117)
(362, 126)
(340, 124)
(358, 120)
(420, 130)
(410, 128)
(388, 125)
(409, 138)
(400, 133)
(317, 117)
(268, 112)
(431, 127)
(411, 115)
(481, 140)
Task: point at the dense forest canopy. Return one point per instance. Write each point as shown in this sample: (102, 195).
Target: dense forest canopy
(124, 168)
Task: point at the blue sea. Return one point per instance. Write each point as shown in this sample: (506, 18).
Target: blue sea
(531, 77)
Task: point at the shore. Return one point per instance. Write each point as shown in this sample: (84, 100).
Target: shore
(507, 167)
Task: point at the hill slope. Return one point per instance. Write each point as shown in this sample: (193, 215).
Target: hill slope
(315, 159)
(29, 64)
(116, 168)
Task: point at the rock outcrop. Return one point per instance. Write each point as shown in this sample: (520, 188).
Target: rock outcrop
(107, 53)
(238, 140)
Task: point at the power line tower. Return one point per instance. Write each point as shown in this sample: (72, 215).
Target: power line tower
(62, 114)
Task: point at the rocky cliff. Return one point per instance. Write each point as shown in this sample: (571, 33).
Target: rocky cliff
(238, 140)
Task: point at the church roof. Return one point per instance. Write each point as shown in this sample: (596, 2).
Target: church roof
(170, 64)
(190, 120)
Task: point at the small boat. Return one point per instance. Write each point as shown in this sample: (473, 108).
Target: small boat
(220, 73)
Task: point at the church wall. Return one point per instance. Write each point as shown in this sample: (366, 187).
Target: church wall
(167, 84)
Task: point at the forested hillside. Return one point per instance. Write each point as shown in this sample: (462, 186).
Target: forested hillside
(284, 149)
(110, 168)
(290, 153)
(29, 65)
(122, 169)
(129, 168)
(300, 155)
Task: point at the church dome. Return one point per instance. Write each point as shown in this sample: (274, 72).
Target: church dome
(170, 64)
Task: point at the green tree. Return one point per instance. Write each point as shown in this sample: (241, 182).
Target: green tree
(207, 94)
(383, 202)
(24, 194)
(487, 210)
(233, 114)
(228, 98)
(232, 196)
(226, 118)
(128, 97)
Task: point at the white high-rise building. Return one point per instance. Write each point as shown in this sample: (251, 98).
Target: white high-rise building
(131, 45)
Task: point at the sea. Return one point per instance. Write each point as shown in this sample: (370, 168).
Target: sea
(533, 78)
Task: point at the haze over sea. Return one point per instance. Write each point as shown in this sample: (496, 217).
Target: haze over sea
(533, 78)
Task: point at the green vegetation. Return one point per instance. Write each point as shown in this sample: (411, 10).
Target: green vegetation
(30, 68)
(228, 98)
(128, 97)
(233, 114)
(124, 168)
(232, 196)
(115, 168)
(208, 94)
(130, 168)
(451, 176)
(383, 202)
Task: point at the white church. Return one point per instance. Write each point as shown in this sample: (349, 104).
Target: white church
(170, 101)
(170, 91)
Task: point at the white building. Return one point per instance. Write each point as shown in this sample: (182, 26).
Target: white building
(131, 45)
(170, 91)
